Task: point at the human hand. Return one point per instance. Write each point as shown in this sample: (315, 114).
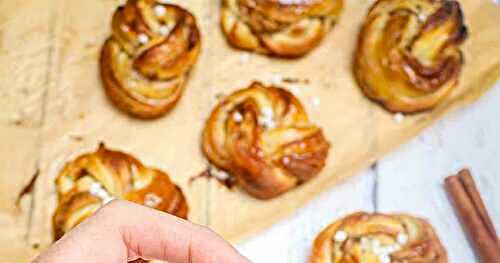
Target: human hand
(123, 231)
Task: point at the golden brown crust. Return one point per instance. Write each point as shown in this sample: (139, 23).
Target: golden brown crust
(285, 28)
(118, 175)
(145, 63)
(402, 238)
(263, 137)
(408, 57)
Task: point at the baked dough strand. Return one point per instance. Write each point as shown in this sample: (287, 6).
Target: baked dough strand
(408, 57)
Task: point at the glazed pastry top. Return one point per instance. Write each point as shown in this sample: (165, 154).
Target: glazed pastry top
(262, 135)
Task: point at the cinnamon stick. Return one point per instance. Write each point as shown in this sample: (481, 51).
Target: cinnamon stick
(474, 216)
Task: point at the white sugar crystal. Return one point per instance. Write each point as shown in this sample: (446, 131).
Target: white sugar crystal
(377, 250)
(237, 117)
(399, 117)
(316, 101)
(382, 251)
(267, 111)
(402, 238)
(159, 10)
(266, 119)
(385, 259)
(244, 58)
(365, 243)
(164, 30)
(152, 200)
(393, 248)
(375, 244)
(143, 38)
(270, 124)
(267, 122)
(340, 236)
(95, 188)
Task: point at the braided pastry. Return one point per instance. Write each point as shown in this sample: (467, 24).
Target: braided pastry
(408, 57)
(263, 137)
(286, 28)
(145, 63)
(91, 180)
(378, 238)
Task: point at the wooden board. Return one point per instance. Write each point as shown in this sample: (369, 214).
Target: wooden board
(75, 114)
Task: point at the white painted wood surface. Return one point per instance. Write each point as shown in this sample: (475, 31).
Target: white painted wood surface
(410, 180)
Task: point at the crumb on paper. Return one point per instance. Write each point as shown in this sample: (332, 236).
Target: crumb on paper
(316, 101)
(90, 45)
(276, 79)
(28, 188)
(244, 57)
(293, 80)
(76, 137)
(220, 95)
(219, 174)
(399, 117)
(18, 122)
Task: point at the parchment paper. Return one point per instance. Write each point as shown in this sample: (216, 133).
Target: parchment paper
(54, 109)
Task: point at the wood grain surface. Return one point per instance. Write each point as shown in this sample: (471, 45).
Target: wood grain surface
(55, 109)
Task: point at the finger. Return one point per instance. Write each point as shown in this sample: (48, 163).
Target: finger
(122, 231)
